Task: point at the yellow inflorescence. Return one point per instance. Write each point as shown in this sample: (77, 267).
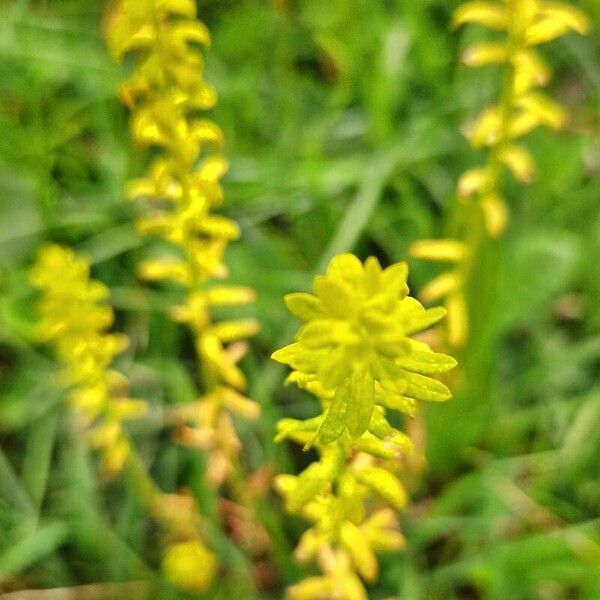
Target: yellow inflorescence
(74, 319)
(356, 354)
(521, 108)
(165, 94)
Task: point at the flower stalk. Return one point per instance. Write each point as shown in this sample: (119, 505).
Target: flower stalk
(355, 352)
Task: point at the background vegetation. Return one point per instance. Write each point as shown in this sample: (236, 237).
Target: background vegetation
(342, 122)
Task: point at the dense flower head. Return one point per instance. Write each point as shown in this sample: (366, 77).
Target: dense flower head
(356, 354)
(355, 349)
(74, 319)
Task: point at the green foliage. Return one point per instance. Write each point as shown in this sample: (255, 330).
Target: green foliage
(342, 128)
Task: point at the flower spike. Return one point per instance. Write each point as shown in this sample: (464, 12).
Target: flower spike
(356, 353)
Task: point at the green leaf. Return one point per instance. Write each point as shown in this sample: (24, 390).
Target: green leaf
(335, 418)
(39, 544)
(360, 402)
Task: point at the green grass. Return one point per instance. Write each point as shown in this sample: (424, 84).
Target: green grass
(342, 123)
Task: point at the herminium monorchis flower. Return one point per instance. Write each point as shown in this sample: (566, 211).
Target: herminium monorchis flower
(521, 106)
(519, 109)
(74, 320)
(166, 94)
(355, 352)
(355, 349)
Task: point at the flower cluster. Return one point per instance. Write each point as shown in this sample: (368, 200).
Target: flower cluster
(521, 108)
(74, 319)
(166, 94)
(356, 354)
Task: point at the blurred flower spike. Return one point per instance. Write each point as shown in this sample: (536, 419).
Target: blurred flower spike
(74, 320)
(520, 109)
(166, 94)
(356, 354)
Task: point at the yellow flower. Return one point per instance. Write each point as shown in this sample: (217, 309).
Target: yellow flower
(449, 285)
(520, 108)
(526, 23)
(180, 191)
(356, 344)
(356, 354)
(189, 566)
(74, 320)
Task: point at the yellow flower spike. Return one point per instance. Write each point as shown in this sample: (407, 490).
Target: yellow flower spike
(230, 295)
(556, 19)
(189, 566)
(487, 128)
(357, 545)
(545, 111)
(114, 456)
(519, 110)
(355, 353)
(495, 214)
(529, 71)
(182, 188)
(383, 532)
(384, 483)
(521, 124)
(471, 182)
(166, 268)
(229, 331)
(239, 404)
(74, 322)
(458, 322)
(183, 8)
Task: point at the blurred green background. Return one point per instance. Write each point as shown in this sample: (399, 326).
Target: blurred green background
(342, 120)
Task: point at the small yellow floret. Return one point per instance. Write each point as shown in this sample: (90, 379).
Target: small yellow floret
(189, 566)
(74, 319)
